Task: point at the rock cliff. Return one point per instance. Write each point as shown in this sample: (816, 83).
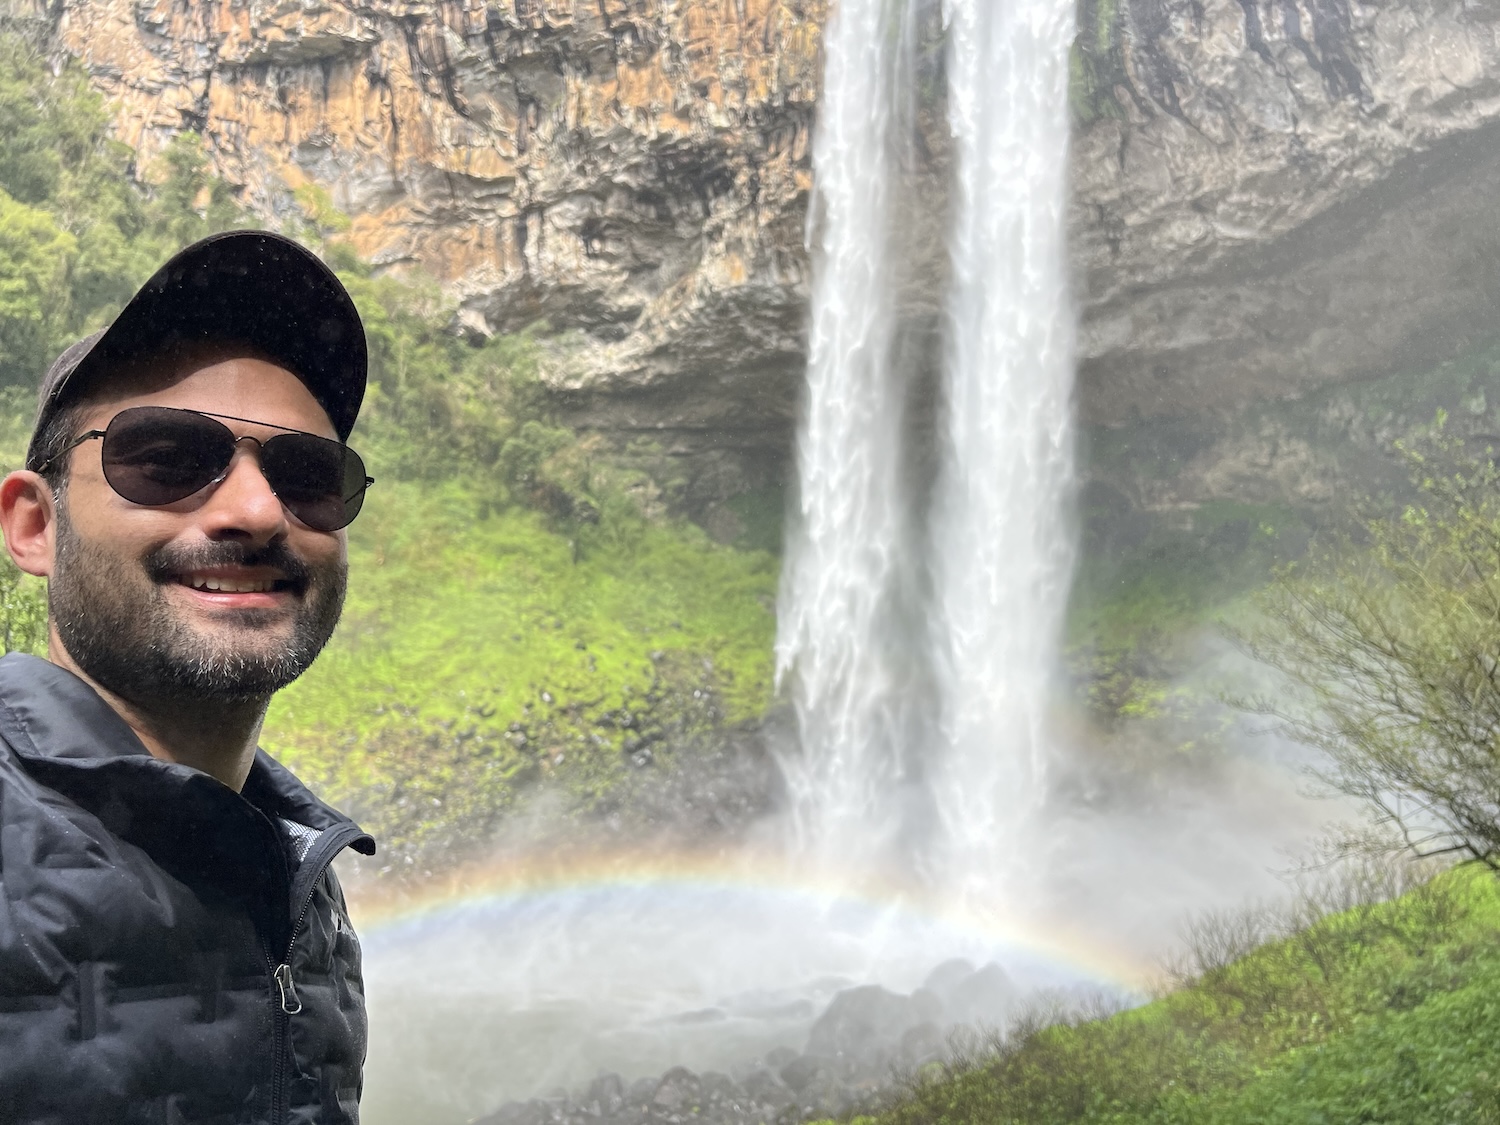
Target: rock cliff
(1268, 194)
(1278, 193)
(633, 172)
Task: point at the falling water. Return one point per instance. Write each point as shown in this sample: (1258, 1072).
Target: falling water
(849, 568)
(1001, 544)
(877, 602)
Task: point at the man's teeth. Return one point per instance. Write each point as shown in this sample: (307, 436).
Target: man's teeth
(230, 586)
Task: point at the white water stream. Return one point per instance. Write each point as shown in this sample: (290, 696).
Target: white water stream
(882, 774)
(843, 643)
(1002, 539)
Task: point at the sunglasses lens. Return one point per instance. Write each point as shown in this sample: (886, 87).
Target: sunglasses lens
(321, 482)
(156, 455)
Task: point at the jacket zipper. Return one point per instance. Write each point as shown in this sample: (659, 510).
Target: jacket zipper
(281, 1109)
(288, 1004)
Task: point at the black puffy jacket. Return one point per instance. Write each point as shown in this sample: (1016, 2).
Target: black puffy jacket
(170, 950)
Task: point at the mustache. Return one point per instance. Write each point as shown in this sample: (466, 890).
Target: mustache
(170, 562)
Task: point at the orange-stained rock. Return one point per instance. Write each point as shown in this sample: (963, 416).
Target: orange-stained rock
(635, 169)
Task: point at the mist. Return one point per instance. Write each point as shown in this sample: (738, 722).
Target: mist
(565, 955)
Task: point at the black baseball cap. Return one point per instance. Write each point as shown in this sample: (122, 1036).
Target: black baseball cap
(245, 286)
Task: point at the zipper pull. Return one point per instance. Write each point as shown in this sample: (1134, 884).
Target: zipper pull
(290, 1004)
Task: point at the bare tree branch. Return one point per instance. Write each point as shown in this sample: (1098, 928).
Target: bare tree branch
(1390, 648)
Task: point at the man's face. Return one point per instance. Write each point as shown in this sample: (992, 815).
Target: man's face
(223, 595)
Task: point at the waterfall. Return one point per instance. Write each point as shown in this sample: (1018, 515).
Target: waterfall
(1001, 545)
(917, 632)
(849, 555)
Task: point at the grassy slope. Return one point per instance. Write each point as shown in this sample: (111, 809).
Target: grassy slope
(477, 650)
(453, 611)
(1388, 1013)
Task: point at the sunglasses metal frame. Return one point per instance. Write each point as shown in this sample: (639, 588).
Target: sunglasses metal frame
(89, 435)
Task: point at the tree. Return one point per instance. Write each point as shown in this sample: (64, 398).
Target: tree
(35, 254)
(1390, 638)
(189, 201)
(78, 237)
(31, 164)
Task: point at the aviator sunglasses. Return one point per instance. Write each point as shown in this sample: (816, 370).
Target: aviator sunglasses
(156, 455)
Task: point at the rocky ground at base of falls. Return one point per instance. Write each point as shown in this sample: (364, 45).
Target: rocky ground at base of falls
(866, 1045)
(760, 1098)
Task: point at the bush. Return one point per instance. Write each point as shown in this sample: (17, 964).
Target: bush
(1388, 641)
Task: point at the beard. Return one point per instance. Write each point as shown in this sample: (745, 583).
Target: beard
(114, 617)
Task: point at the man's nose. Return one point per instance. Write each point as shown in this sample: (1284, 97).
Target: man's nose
(242, 505)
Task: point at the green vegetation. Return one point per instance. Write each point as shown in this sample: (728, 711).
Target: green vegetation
(1173, 578)
(1146, 590)
(1096, 62)
(1381, 1012)
(482, 652)
(1151, 583)
(1389, 641)
(762, 516)
(77, 235)
(522, 606)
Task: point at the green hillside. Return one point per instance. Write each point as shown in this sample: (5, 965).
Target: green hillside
(1381, 1013)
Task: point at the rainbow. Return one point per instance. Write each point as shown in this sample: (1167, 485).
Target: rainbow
(575, 877)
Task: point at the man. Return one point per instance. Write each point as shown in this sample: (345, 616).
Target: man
(174, 946)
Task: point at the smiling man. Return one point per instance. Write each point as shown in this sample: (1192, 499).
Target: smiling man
(174, 946)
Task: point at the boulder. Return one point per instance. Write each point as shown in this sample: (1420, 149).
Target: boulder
(862, 1021)
(921, 1045)
(765, 1088)
(605, 1095)
(801, 1071)
(679, 1092)
(945, 981)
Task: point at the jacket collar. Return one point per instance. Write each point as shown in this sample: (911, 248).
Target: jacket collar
(52, 719)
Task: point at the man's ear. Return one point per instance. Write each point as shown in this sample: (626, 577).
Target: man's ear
(28, 514)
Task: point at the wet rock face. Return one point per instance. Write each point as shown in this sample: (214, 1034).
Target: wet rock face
(1268, 194)
(1287, 193)
(863, 1020)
